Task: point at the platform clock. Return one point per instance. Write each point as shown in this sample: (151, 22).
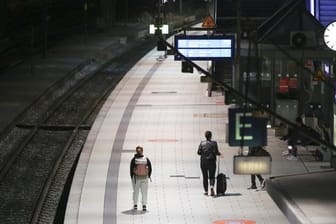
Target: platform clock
(329, 36)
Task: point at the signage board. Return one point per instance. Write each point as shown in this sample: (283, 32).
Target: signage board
(208, 22)
(252, 164)
(164, 29)
(245, 129)
(204, 47)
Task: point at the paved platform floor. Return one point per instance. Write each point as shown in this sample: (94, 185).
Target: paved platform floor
(167, 112)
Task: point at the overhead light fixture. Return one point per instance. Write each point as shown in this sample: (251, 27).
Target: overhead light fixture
(187, 67)
(161, 46)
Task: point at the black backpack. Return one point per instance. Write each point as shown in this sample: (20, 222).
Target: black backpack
(208, 151)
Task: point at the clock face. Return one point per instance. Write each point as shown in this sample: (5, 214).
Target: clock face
(329, 36)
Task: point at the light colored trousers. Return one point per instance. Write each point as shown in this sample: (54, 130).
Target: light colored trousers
(140, 183)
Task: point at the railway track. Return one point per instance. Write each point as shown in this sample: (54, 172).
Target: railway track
(40, 152)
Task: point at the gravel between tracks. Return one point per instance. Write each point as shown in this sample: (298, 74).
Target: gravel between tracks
(22, 185)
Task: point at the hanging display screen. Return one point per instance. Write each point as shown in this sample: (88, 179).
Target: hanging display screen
(204, 47)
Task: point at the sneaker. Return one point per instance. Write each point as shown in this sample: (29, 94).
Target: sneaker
(285, 153)
(144, 208)
(252, 187)
(263, 184)
(205, 193)
(135, 207)
(291, 157)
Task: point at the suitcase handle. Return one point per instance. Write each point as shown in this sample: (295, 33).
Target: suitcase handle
(218, 165)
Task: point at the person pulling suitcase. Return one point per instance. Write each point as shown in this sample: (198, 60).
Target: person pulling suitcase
(208, 150)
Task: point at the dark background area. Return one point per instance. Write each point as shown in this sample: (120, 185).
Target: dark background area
(28, 27)
(17, 14)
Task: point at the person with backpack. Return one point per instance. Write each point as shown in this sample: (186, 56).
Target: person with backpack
(140, 171)
(208, 150)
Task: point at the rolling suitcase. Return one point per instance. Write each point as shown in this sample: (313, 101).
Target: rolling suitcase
(221, 182)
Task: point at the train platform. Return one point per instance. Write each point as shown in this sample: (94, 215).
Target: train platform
(167, 112)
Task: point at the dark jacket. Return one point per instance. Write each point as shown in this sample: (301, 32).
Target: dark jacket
(295, 137)
(257, 151)
(132, 165)
(208, 150)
